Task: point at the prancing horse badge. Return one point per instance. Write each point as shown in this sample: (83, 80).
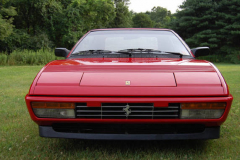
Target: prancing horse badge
(127, 110)
(128, 83)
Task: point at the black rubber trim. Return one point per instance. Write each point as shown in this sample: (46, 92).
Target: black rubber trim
(133, 55)
(208, 133)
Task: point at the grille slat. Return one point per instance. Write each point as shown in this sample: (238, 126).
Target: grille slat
(128, 111)
(166, 115)
(87, 110)
(170, 107)
(89, 115)
(131, 107)
(166, 111)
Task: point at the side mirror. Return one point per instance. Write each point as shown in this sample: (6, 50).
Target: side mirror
(200, 51)
(61, 52)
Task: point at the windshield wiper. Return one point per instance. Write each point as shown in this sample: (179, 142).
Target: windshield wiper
(146, 51)
(175, 53)
(99, 51)
(134, 50)
(125, 51)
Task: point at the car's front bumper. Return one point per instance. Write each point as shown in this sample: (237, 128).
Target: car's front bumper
(208, 133)
(156, 100)
(47, 126)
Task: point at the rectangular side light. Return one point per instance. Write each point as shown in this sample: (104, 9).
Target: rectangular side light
(53, 109)
(202, 110)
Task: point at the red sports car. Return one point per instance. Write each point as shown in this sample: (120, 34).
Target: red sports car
(129, 84)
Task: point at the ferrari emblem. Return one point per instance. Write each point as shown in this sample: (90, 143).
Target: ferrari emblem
(127, 110)
(128, 83)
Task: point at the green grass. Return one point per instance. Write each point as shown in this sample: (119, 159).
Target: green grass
(19, 137)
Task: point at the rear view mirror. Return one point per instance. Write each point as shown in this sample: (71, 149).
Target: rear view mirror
(200, 51)
(61, 52)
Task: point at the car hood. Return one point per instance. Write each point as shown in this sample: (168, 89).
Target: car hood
(129, 77)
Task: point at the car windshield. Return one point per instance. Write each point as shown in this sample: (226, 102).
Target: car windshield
(119, 40)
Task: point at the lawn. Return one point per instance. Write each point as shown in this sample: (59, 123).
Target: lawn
(19, 134)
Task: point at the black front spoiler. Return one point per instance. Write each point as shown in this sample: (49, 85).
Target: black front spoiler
(208, 133)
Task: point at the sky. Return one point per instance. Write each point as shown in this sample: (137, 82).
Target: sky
(147, 5)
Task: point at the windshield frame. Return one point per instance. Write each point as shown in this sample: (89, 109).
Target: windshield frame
(132, 29)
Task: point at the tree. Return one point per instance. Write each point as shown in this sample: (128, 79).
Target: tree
(210, 23)
(86, 15)
(36, 21)
(123, 16)
(142, 20)
(6, 19)
(54, 22)
(228, 22)
(161, 16)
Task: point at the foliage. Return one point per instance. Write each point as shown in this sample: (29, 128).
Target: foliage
(86, 15)
(142, 20)
(214, 58)
(36, 24)
(123, 16)
(230, 58)
(27, 57)
(160, 16)
(3, 59)
(58, 23)
(234, 57)
(6, 19)
(21, 40)
(210, 23)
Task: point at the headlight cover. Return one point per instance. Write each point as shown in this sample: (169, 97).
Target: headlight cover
(53, 109)
(54, 113)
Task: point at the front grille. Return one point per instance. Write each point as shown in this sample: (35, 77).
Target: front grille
(127, 111)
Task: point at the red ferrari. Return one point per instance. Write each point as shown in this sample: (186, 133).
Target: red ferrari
(129, 84)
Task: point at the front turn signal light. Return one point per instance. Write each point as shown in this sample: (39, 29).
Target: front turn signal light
(53, 105)
(217, 105)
